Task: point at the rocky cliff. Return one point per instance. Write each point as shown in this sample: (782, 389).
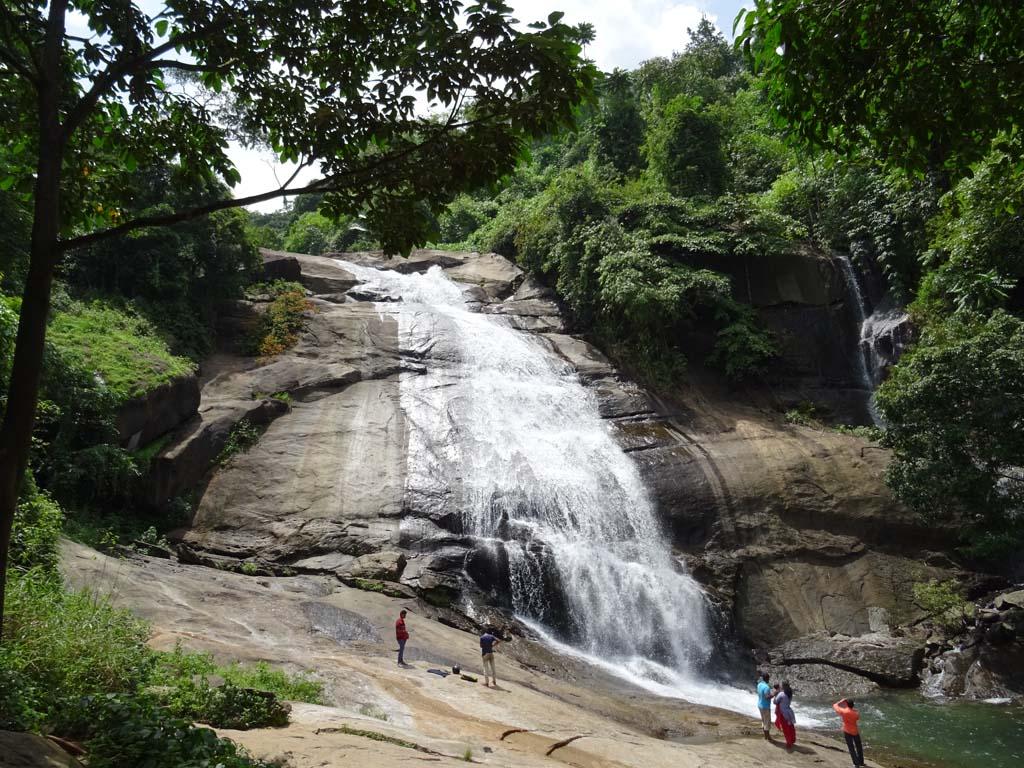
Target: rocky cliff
(791, 529)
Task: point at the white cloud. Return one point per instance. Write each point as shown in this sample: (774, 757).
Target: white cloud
(627, 32)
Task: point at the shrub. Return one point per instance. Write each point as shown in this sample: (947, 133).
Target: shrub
(132, 732)
(248, 698)
(68, 644)
(284, 320)
(944, 603)
(224, 706)
(178, 665)
(243, 436)
(37, 526)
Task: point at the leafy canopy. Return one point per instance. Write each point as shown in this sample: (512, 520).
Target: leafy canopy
(138, 89)
(929, 84)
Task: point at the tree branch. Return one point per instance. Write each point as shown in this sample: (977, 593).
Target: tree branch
(19, 66)
(119, 69)
(189, 66)
(329, 184)
(320, 185)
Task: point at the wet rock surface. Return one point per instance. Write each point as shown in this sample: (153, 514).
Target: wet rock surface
(379, 715)
(791, 529)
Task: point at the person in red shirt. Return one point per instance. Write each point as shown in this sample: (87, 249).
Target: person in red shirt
(851, 732)
(401, 635)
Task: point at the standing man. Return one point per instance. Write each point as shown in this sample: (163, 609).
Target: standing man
(764, 704)
(401, 635)
(487, 643)
(851, 731)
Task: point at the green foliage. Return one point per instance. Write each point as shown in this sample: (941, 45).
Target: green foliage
(64, 645)
(944, 603)
(176, 277)
(120, 347)
(930, 84)
(805, 414)
(243, 436)
(310, 233)
(185, 683)
(129, 731)
(978, 256)
(954, 406)
(618, 126)
(375, 585)
(224, 706)
(855, 206)
(743, 347)
(36, 531)
(684, 149)
(283, 320)
(464, 216)
(873, 434)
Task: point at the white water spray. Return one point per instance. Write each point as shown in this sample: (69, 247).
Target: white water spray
(503, 423)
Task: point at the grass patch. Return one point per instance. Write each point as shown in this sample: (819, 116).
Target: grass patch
(375, 585)
(145, 454)
(372, 710)
(178, 665)
(377, 736)
(120, 347)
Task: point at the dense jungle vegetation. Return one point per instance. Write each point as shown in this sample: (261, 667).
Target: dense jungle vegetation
(675, 170)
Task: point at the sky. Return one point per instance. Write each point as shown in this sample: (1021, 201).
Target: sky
(628, 32)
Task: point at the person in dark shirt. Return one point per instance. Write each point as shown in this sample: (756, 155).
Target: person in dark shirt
(487, 643)
(401, 635)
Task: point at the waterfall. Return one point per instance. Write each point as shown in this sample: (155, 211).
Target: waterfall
(501, 422)
(882, 335)
(859, 306)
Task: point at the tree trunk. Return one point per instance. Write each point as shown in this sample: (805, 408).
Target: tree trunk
(26, 371)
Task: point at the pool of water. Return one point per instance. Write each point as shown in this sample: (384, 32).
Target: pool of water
(943, 734)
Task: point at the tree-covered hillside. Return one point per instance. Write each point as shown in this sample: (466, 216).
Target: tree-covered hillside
(688, 162)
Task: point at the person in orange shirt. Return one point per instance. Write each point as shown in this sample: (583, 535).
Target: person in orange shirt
(845, 709)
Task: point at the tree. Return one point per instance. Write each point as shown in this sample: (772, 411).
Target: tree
(955, 413)
(929, 84)
(684, 149)
(618, 125)
(83, 111)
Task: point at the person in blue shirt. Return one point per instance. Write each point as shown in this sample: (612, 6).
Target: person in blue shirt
(764, 704)
(487, 643)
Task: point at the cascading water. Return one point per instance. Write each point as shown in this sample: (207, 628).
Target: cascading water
(502, 422)
(882, 335)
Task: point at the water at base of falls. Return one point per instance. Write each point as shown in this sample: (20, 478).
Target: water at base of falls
(503, 429)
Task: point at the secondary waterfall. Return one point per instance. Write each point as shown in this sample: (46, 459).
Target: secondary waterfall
(505, 424)
(882, 335)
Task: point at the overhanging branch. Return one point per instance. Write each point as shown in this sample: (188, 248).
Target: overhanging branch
(321, 185)
(119, 69)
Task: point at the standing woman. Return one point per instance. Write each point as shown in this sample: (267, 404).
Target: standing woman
(784, 714)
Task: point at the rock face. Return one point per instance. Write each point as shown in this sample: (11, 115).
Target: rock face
(889, 661)
(791, 529)
(28, 750)
(143, 419)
